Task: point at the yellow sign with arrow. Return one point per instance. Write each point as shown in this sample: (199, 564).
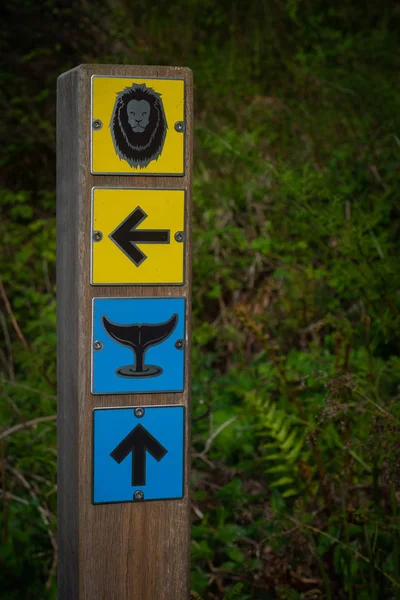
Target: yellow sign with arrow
(138, 236)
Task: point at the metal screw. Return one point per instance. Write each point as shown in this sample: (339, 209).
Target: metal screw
(179, 236)
(139, 412)
(97, 124)
(97, 345)
(179, 126)
(97, 236)
(179, 344)
(138, 495)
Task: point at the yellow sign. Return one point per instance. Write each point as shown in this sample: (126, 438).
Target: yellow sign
(138, 236)
(138, 125)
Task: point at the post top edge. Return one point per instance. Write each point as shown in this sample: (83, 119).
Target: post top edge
(126, 70)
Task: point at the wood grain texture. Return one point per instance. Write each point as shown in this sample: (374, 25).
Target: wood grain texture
(127, 551)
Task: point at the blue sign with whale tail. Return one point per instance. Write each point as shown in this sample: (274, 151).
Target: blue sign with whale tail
(138, 345)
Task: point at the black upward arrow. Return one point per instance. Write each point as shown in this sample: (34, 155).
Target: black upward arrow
(126, 236)
(138, 441)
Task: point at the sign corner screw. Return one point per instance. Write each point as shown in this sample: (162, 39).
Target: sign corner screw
(138, 495)
(179, 344)
(97, 124)
(139, 412)
(179, 126)
(179, 236)
(97, 345)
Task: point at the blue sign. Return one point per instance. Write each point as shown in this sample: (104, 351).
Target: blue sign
(138, 345)
(138, 453)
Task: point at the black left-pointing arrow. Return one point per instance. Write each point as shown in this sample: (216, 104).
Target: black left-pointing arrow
(126, 236)
(138, 441)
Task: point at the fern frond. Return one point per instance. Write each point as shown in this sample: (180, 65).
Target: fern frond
(278, 469)
(234, 592)
(284, 445)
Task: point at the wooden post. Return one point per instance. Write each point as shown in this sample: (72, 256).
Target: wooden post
(123, 300)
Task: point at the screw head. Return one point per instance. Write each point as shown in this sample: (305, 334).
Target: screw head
(179, 126)
(97, 124)
(179, 236)
(139, 412)
(97, 236)
(138, 495)
(97, 345)
(179, 344)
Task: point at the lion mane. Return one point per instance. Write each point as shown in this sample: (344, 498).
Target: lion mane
(138, 149)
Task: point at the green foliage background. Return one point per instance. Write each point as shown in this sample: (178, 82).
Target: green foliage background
(296, 454)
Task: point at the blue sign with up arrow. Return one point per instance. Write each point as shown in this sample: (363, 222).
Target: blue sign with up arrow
(138, 453)
(138, 345)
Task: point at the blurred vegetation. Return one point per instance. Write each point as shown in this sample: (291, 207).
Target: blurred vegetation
(296, 419)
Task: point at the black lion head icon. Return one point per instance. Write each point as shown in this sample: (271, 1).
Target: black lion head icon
(138, 125)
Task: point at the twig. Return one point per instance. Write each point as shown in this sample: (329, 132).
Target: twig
(26, 425)
(197, 511)
(11, 401)
(356, 553)
(204, 459)
(203, 415)
(10, 496)
(29, 389)
(383, 411)
(317, 325)
(46, 515)
(4, 485)
(9, 363)
(212, 437)
(19, 332)
(53, 569)
(12, 317)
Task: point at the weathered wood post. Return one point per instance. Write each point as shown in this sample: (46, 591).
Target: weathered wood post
(124, 170)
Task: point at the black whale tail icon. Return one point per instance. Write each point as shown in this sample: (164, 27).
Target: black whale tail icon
(139, 338)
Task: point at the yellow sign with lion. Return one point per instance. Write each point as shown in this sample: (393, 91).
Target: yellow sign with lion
(138, 126)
